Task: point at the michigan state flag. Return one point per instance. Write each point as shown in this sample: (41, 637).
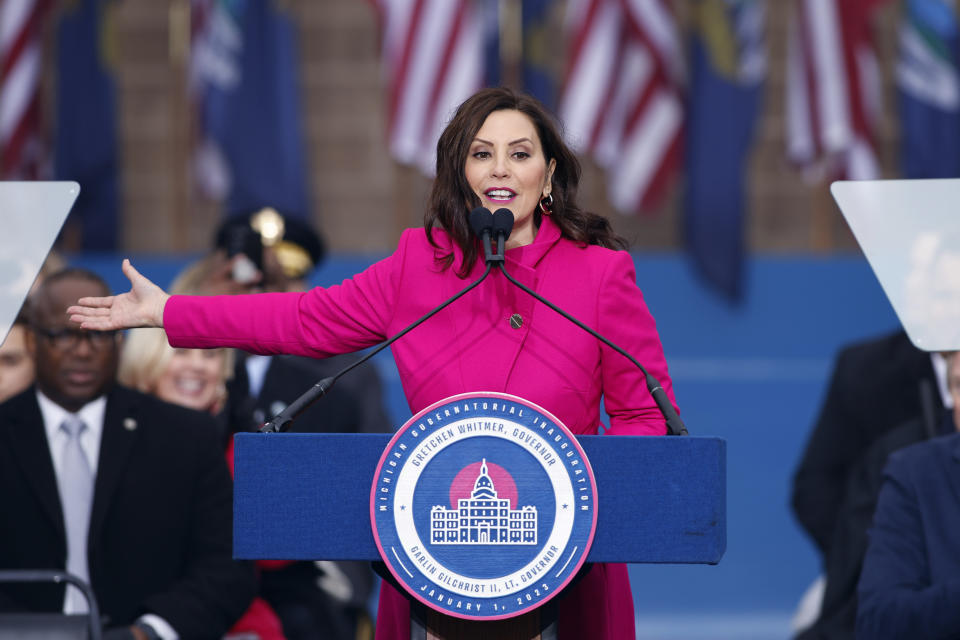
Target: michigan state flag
(246, 83)
(929, 91)
(86, 129)
(728, 64)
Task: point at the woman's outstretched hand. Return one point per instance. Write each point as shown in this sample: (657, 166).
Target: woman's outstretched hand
(142, 306)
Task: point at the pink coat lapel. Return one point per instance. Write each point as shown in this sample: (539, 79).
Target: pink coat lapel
(487, 344)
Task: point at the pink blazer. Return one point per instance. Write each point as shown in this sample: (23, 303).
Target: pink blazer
(471, 345)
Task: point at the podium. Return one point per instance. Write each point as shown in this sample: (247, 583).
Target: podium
(305, 496)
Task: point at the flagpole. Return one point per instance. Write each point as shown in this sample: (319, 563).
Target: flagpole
(510, 27)
(179, 48)
(822, 236)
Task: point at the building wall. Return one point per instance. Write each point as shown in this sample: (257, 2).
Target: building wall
(362, 198)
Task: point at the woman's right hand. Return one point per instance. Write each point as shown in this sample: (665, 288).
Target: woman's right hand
(142, 306)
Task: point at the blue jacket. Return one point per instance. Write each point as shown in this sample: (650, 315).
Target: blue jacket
(910, 585)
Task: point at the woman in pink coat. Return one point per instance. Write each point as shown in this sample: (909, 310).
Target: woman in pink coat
(500, 150)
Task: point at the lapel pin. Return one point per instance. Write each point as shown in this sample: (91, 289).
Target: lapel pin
(129, 424)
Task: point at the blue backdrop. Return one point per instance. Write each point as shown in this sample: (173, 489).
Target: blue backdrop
(753, 374)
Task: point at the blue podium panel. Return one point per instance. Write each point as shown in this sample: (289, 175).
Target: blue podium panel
(307, 496)
(661, 499)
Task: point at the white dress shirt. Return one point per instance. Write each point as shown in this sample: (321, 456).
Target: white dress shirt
(257, 366)
(92, 414)
(940, 370)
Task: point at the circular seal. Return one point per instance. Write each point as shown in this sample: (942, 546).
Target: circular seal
(483, 506)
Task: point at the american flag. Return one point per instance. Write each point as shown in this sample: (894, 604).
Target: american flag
(216, 43)
(22, 153)
(833, 89)
(622, 98)
(432, 60)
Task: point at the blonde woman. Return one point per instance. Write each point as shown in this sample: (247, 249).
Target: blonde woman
(197, 379)
(193, 378)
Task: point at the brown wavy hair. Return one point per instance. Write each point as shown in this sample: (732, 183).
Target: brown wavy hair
(451, 197)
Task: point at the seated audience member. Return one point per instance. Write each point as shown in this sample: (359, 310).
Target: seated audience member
(313, 599)
(910, 585)
(196, 379)
(127, 492)
(322, 598)
(16, 365)
(844, 561)
(876, 386)
(287, 251)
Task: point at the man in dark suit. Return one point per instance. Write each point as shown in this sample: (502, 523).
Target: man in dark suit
(844, 562)
(130, 493)
(876, 386)
(321, 598)
(910, 585)
(285, 251)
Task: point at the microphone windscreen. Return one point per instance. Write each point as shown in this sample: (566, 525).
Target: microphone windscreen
(502, 222)
(481, 220)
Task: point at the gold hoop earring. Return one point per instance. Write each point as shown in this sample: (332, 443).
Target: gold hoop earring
(546, 204)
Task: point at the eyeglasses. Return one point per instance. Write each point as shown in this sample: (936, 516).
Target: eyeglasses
(65, 339)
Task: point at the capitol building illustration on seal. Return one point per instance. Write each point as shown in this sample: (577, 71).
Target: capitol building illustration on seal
(483, 518)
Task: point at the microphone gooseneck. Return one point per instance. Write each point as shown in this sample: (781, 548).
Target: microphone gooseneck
(502, 225)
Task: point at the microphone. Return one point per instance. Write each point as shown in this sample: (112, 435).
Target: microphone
(484, 224)
(481, 221)
(502, 225)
